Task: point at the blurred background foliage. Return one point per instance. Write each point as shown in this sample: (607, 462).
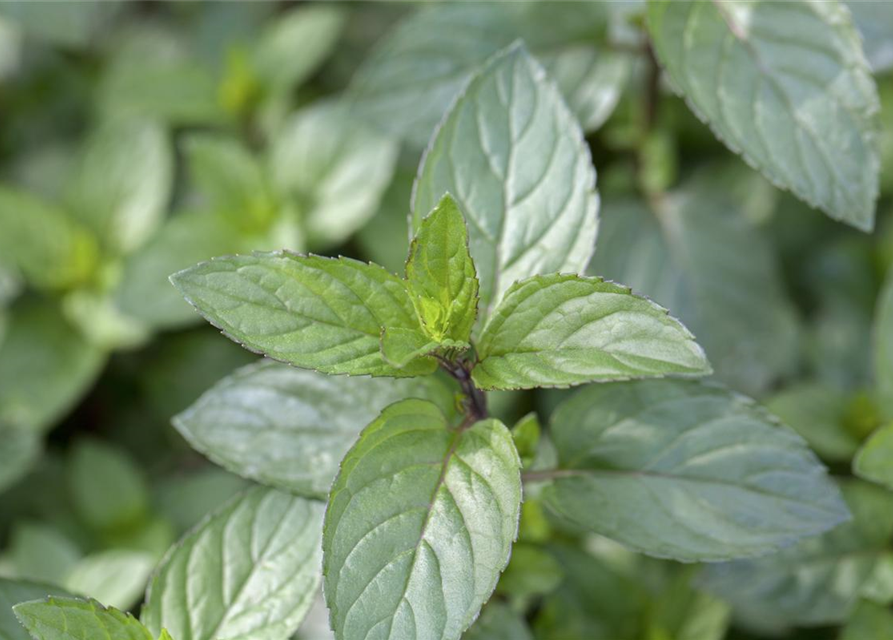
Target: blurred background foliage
(140, 138)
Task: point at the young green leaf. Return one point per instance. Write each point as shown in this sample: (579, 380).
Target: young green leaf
(682, 470)
(399, 346)
(874, 460)
(45, 365)
(73, 619)
(514, 159)
(560, 330)
(883, 348)
(333, 168)
(289, 428)
(13, 592)
(51, 249)
(772, 79)
(258, 573)
(122, 183)
(818, 580)
(441, 274)
(115, 577)
(420, 522)
(313, 312)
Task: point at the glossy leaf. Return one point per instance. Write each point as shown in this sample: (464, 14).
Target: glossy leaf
(441, 274)
(561, 330)
(874, 460)
(420, 522)
(816, 581)
(333, 168)
(312, 312)
(785, 85)
(13, 592)
(122, 183)
(515, 161)
(72, 619)
(289, 428)
(686, 471)
(257, 575)
(52, 250)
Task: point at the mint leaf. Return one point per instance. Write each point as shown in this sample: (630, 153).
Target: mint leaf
(116, 577)
(289, 428)
(804, 585)
(420, 522)
(231, 180)
(515, 161)
(771, 79)
(313, 312)
(561, 330)
(686, 471)
(875, 23)
(72, 619)
(872, 461)
(400, 347)
(258, 574)
(883, 347)
(417, 71)
(45, 366)
(498, 622)
(52, 250)
(441, 274)
(817, 412)
(730, 294)
(13, 592)
(20, 447)
(108, 489)
(333, 169)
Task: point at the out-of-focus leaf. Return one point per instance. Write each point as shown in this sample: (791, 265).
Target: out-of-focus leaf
(52, 250)
(874, 461)
(531, 572)
(883, 347)
(116, 577)
(186, 499)
(816, 581)
(702, 260)
(45, 366)
(868, 621)
(384, 239)
(122, 183)
(498, 622)
(259, 573)
(107, 487)
(13, 592)
(817, 411)
(518, 167)
(19, 450)
(333, 168)
(875, 23)
(74, 25)
(771, 78)
(101, 322)
(414, 74)
(686, 471)
(290, 428)
(39, 552)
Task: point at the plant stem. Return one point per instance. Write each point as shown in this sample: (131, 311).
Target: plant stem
(475, 399)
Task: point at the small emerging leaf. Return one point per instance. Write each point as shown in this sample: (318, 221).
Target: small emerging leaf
(560, 330)
(72, 619)
(420, 523)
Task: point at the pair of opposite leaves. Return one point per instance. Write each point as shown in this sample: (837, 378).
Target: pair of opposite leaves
(342, 316)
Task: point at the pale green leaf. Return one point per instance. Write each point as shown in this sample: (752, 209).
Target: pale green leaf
(13, 592)
(52, 250)
(784, 84)
(294, 46)
(561, 330)
(816, 581)
(232, 181)
(116, 577)
(514, 159)
(868, 622)
(45, 366)
(879, 585)
(817, 412)
(883, 347)
(72, 619)
(40, 552)
(417, 70)
(20, 448)
(313, 312)
(498, 622)
(687, 471)
(420, 522)
(730, 294)
(874, 460)
(108, 489)
(258, 573)
(333, 168)
(289, 428)
(122, 183)
(184, 240)
(441, 274)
